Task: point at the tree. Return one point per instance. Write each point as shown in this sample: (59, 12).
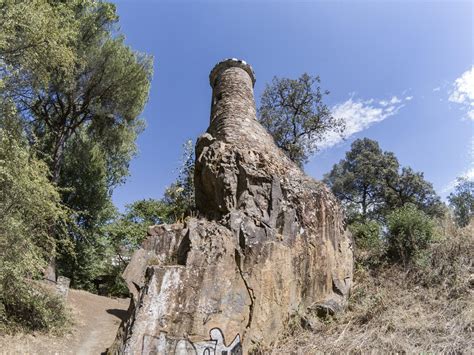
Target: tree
(105, 85)
(411, 187)
(370, 184)
(462, 201)
(294, 113)
(35, 36)
(179, 197)
(123, 235)
(79, 90)
(104, 239)
(147, 212)
(359, 179)
(30, 207)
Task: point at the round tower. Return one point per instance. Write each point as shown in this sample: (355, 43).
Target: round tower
(233, 112)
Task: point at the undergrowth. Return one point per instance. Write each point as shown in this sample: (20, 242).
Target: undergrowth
(32, 307)
(426, 306)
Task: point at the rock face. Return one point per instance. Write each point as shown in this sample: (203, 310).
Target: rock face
(269, 243)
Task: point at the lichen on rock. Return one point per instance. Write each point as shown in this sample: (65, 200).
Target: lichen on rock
(269, 242)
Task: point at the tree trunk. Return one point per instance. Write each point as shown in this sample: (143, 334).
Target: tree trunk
(50, 271)
(58, 153)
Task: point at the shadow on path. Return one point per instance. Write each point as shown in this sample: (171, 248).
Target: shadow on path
(119, 313)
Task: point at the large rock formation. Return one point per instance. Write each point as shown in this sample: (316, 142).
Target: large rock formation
(269, 243)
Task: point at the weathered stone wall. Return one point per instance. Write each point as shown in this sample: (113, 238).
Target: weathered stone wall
(269, 243)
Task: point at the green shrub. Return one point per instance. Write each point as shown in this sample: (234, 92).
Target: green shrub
(27, 306)
(30, 215)
(367, 235)
(369, 245)
(410, 232)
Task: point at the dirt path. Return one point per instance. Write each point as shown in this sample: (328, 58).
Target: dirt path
(96, 320)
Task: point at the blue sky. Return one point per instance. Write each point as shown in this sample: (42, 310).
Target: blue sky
(400, 72)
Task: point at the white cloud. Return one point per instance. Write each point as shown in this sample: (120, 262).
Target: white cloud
(467, 174)
(463, 92)
(361, 114)
(436, 89)
(409, 98)
(395, 100)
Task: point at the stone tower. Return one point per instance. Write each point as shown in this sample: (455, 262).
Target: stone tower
(269, 243)
(233, 112)
(234, 121)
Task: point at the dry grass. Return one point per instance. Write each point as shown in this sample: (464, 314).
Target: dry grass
(426, 308)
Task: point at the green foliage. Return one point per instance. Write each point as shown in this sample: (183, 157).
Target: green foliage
(104, 87)
(370, 184)
(410, 232)
(389, 209)
(35, 36)
(85, 188)
(369, 242)
(119, 238)
(411, 187)
(295, 115)
(123, 233)
(87, 259)
(462, 201)
(80, 90)
(359, 179)
(179, 197)
(147, 212)
(29, 307)
(366, 235)
(30, 209)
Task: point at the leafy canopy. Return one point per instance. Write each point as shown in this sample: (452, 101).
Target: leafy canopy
(79, 91)
(29, 208)
(462, 201)
(294, 113)
(370, 184)
(104, 85)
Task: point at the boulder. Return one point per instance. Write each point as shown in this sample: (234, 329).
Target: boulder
(269, 243)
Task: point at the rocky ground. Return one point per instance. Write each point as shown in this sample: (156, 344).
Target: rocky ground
(95, 323)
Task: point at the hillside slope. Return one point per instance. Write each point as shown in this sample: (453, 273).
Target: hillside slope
(424, 308)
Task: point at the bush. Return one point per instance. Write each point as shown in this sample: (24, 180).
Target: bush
(370, 247)
(367, 235)
(27, 306)
(410, 232)
(30, 215)
(449, 263)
